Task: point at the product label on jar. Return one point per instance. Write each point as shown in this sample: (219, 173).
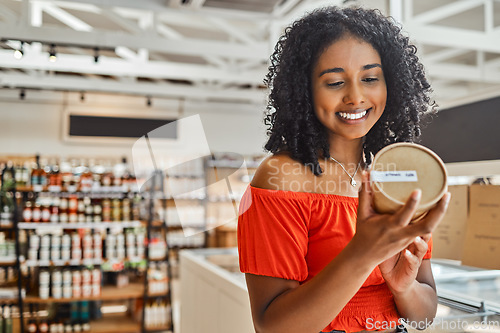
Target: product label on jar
(394, 176)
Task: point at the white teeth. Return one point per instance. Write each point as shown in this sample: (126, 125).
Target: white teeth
(346, 115)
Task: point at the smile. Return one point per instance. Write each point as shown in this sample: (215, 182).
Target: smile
(353, 115)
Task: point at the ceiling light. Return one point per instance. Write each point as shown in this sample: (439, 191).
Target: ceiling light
(96, 55)
(18, 53)
(52, 53)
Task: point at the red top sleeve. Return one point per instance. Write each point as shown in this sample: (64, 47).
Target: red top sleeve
(273, 236)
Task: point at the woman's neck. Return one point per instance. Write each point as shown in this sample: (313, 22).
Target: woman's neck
(347, 152)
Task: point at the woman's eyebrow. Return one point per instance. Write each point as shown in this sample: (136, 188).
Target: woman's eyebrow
(341, 70)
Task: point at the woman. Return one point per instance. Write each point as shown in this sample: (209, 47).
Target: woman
(344, 83)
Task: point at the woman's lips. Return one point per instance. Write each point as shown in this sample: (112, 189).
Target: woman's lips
(354, 117)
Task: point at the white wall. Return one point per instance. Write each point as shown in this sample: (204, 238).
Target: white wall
(35, 124)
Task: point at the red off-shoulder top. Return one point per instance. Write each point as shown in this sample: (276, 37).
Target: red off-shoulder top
(294, 235)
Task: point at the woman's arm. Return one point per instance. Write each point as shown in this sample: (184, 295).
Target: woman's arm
(280, 305)
(418, 304)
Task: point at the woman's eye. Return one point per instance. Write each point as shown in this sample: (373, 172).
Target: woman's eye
(335, 84)
(370, 79)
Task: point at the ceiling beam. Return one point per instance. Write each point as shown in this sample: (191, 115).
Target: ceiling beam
(67, 83)
(231, 30)
(284, 7)
(121, 21)
(107, 39)
(454, 37)
(65, 17)
(7, 14)
(443, 55)
(445, 11)
(463, 73)
(161, 6)
(119, 67)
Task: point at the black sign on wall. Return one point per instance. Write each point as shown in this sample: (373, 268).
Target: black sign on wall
(465, 133)
(118, 127)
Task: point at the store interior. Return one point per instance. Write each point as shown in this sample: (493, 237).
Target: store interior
(130, 130)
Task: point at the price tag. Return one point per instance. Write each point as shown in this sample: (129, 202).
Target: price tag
(394, 176)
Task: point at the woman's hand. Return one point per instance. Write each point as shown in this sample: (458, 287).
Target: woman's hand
(400, 271)
(385, 236)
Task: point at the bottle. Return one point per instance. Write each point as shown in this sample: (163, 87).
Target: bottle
(43, 327)
(7, 320)
(81, 210)
(36, 213)
(97, 210)
(1, 320)
(73, 209)
(54, 209)
(85, 178)
(88, 210)
(8, 176)
(63, 210)
(46, 213)
(18, 175)
(106, 210)
(27, 212)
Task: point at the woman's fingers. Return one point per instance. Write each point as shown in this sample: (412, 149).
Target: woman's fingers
(404, 215)
(431, 220)
(420, 247)
(365, 197)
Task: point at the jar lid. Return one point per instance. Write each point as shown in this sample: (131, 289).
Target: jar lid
(400, 168)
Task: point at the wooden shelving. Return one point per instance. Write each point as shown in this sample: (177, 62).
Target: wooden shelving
(133, 290)
(97, 225)
(114, 325)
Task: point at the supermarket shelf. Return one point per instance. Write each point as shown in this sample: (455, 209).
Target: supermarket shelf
(7, 261)
(115, 324)
(100, 225)
(103, 190)
(133, 290)
(47, 263)
(159, 329)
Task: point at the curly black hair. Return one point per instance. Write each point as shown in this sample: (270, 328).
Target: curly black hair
(290, 117)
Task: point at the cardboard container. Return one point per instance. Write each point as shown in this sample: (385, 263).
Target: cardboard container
(449, 236)
(398, 169)
(482, 239)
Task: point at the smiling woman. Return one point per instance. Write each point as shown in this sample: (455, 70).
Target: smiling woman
(344, 83)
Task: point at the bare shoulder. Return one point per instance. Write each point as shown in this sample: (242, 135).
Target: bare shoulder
(279, 171)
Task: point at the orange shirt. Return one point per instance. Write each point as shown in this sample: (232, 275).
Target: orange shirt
(294, 235)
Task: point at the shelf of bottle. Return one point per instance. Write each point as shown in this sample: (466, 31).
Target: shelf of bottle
(6, 226)
(167, 329)
(7, 261)
(96, 225)
(103, 190)
(49, 263)
(185, 247)
(108, 293)
(115, 324)
(158, 294)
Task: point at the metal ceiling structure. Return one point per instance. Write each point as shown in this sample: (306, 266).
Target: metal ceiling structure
(217, 50)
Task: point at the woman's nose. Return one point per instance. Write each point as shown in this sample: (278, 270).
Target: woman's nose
(353, 95)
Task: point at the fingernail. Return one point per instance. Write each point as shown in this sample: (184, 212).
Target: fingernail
(418, 239)
(417, 194)
(407, 253)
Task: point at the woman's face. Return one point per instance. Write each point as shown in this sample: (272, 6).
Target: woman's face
(349, 91)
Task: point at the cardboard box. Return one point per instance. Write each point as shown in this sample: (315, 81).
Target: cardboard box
(482, 240)
(449, 236)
